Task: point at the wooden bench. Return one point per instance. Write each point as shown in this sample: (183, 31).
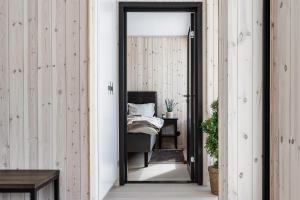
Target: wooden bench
(28, 181)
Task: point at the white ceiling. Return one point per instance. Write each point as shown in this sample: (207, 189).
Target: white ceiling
(157, 23)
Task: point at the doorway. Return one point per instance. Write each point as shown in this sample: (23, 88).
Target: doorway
(194, 88)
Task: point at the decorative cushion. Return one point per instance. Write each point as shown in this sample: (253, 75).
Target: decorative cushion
(146, 110)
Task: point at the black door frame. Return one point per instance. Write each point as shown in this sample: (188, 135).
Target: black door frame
(266, 99)
(125, 7)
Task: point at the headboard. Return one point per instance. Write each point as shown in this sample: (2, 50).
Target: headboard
(141, 97)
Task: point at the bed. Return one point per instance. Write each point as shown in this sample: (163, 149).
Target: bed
(141, 142)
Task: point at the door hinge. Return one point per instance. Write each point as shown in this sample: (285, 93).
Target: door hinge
(192, 34)
(192, 159)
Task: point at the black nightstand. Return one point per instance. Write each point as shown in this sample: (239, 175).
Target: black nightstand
(169, 130)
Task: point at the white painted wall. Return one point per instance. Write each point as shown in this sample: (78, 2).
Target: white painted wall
(104, 106)
(157, 23)
(107, 104)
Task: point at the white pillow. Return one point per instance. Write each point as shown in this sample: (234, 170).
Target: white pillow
(146, 110)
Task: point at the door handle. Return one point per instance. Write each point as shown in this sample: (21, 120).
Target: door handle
(188, 95)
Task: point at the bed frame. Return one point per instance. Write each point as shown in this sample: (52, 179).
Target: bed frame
(141, 142)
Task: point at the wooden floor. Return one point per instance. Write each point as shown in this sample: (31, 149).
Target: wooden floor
(186, 191)
(155, 172)
(159, 172)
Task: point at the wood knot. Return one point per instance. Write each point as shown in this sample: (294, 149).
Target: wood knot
(241, 175)
(281, 4)
(241, 36)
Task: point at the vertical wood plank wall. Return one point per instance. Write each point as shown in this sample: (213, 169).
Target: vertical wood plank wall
(240, 94)
(223, 102)
(294, 168)
(43, 92)
(211, 69)
(285, 106)
(211, 53)
(160, 64)
(274, 112)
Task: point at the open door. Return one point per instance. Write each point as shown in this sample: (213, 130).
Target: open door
(190, 98)
(194, 93)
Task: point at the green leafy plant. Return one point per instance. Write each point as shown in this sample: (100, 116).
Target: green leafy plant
(170, 104)
(210, 127)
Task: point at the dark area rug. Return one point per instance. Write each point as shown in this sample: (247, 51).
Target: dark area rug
(167, 156)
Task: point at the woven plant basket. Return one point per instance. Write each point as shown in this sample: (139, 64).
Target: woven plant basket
(214, 179)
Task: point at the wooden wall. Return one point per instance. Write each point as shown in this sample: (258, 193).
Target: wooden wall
(240, 94)
(211, 69)
(43, 91)
(160, 64)
(285, 95)
(211, 49)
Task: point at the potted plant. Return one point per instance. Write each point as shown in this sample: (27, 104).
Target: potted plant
(170, 105)
(210, 127)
